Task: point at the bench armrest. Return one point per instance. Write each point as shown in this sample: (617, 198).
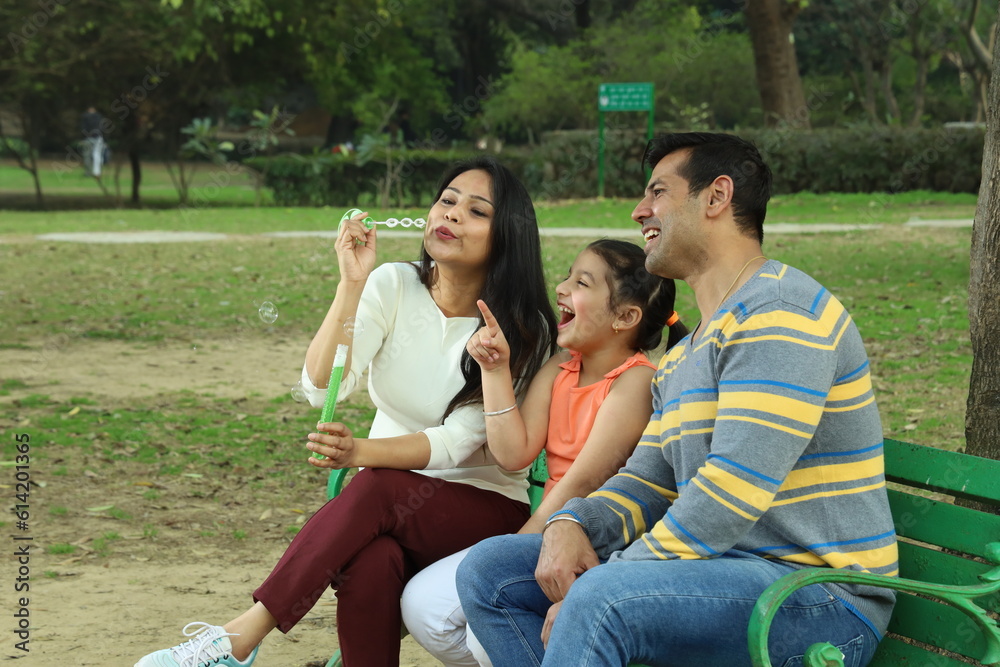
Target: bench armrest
(826, 655)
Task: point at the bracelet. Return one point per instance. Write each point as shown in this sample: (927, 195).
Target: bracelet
(498, 412)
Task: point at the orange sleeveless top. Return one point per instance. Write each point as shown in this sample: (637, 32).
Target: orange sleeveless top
(573, 410)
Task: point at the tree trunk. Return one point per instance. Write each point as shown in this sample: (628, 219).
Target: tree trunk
(982, 417)
(919, 89)
(781, 93)
(133, 158)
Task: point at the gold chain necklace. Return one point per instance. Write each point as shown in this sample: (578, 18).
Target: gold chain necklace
(728, 290)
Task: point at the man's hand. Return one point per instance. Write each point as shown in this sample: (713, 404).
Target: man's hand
(566, 554)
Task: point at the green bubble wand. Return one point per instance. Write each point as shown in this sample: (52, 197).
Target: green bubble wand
(332, 389)
(389, 222)
(336, 479)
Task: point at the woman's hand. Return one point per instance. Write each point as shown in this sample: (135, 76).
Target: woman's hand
(488, 346)
(336, 443)
(356, 248)
(550, 618)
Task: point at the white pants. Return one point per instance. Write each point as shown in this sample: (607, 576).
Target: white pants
(96, 148)
(434, 616)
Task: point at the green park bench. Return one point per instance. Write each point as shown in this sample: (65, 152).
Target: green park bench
(943, 549)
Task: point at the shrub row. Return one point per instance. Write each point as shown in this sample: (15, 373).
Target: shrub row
(564, 165)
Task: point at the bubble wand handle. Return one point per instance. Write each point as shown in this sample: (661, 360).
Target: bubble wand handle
(332, 389)
(369, 221)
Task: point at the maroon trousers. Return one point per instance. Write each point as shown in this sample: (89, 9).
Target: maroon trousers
(384, 527)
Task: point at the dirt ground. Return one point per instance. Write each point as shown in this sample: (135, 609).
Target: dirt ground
(108, 605)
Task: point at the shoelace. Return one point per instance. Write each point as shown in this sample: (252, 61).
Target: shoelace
(201, 646)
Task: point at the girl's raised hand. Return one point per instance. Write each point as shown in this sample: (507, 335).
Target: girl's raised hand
(488, 346)
(356, 248)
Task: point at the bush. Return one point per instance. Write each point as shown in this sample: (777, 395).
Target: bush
(337, 180)
(869, 159)
(12, 147)
(564, 166)
(873, 159)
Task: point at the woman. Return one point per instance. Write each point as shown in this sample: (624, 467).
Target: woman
(414, 502)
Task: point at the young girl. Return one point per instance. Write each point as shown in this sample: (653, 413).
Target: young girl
(587, 406)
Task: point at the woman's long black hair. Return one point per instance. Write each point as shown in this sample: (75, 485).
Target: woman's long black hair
(515, 282)
(631, 283)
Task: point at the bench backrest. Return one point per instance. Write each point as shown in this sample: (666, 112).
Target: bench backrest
(537, 476)
(941, 542)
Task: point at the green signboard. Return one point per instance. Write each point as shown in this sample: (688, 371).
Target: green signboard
(620, 97)
(625, 97)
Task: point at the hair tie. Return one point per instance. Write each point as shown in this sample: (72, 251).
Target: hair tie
(673, 319)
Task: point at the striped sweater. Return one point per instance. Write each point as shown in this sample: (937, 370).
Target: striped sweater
(764, 438)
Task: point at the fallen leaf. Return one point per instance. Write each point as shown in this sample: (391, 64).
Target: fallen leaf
(74, 411)
(266, 515)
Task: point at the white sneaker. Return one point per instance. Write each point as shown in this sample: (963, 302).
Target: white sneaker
(209, 646)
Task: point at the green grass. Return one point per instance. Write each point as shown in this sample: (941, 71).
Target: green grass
(231, 209)
(60, 549)
(907, 291)
(60, 182)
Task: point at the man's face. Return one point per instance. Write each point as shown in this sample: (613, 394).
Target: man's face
(669, 217)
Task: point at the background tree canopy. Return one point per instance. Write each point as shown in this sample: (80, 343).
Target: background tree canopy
(441, 72)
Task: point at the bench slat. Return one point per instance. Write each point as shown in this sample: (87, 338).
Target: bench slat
(895, 653)
(937, 624)
(923, 564)
(943, 524)
(957, 474)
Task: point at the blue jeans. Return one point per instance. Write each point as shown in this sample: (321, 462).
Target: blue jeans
(679, 612)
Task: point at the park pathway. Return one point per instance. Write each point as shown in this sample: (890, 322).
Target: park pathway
(587, 232)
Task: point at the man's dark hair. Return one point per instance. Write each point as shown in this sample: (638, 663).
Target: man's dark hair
(714, 155)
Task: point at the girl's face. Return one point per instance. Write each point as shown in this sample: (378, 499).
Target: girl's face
(583, 299)
(459, 222)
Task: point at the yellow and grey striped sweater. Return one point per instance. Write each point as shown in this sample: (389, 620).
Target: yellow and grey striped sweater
(764, 438)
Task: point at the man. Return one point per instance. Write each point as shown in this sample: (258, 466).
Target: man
(763, 456)
(91, 126)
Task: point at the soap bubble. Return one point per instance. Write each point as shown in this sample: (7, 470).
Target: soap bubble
(299, 393)
(268, 312)
(354, 327)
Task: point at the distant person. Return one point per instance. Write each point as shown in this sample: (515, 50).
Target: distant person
(763, 457)
(91, 125)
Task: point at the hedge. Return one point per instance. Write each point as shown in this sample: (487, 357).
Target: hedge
(564, 165)
(334, 180)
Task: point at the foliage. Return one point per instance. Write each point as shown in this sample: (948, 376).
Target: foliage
(886, 57)
(262, 139)
(668, 44)
(201, 144)
(872, 159)
(323, 179)
(564, 165)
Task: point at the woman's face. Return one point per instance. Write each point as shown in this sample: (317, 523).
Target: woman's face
(458, 225)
